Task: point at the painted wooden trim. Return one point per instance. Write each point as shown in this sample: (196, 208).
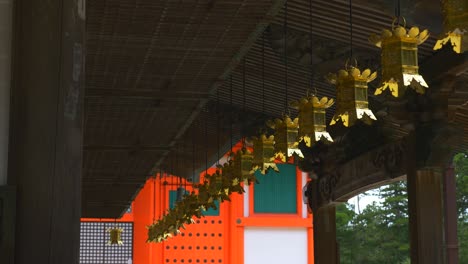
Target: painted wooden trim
(274, 221)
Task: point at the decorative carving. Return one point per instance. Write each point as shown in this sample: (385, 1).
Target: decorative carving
(390, 158)
(322, 168)
(327, 184)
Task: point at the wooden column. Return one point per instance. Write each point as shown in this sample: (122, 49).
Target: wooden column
(6, 8)
(45, 147)
(325, 245)
(451, 240)
(425, 216)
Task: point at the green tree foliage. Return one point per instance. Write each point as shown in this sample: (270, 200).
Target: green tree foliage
(461, 170)
(380, 233)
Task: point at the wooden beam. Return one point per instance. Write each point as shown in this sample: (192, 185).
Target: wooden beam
(147, 94)
(373, 169)
(124, 148)
(444, 63)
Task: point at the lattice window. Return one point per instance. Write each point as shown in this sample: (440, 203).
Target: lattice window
(94, 248)
(276, 192)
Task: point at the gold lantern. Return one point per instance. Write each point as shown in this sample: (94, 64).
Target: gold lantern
(243, 163)
(351, 98)
(263, 154)
(115, 236)
(312, 119)
(286, 132)
(227, 169)
(400, 59)
(455, 25)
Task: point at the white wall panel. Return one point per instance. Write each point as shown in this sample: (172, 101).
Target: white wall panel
(275, 245)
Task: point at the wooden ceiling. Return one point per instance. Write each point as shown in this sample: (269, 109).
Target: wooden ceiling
(158, 79)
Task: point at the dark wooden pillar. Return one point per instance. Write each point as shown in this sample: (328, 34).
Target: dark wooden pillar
(45, 147)
(451, 240)
(325, 245)
(425, 216)
(6, 8)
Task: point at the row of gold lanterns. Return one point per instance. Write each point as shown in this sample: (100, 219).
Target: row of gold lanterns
(400, 70)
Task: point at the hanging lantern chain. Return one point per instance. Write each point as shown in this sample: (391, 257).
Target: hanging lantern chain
(177, 166)
(397, 8)
(172, 167)
(186, 176)
(217, 125)
(310, 40)
(243, 86)
(286, 57)
(263, 72)
(154, 195)
(232, 110)
(243, 98)
(351, 28)
(193, 155)
(206, 142)
(311, 49)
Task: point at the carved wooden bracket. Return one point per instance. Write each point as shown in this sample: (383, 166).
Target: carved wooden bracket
(383, 165)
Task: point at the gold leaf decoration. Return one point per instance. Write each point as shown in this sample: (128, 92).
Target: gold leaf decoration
(312, 119)
(351, 99)
(399, 59)
(455, 14)
(216, 187)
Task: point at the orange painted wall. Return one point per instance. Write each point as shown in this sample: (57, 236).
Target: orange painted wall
(213, 239)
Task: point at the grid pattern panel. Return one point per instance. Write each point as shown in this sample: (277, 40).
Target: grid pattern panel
(276, 192)
(201, 243)
(94, 248)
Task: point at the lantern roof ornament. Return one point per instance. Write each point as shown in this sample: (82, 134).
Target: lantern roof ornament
(455, 14)
(286, 132)
(351, 98)
(263, 154)
(312, 118)
(400, 59)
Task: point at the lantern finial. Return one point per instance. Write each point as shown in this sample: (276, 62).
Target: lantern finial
(400, 59)
(312, 119)
(351, 98)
